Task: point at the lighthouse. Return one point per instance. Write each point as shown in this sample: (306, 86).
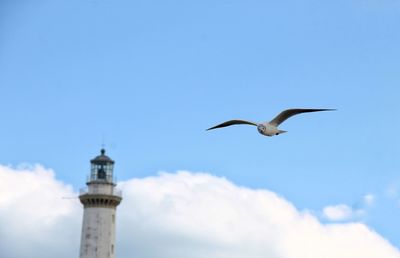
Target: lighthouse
(100, 200)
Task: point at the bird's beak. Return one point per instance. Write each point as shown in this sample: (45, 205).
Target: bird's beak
(281, 131)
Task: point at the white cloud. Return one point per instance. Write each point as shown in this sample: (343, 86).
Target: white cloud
(392, 191)
(369, 200)
(343, 212)
(338, 212)
(175, 215)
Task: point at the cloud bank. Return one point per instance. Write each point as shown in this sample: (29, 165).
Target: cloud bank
(176, 215)
(34, 219)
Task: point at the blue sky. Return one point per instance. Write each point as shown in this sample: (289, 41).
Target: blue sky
(148, 77)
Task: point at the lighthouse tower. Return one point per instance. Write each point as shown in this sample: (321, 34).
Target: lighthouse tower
(100, 200)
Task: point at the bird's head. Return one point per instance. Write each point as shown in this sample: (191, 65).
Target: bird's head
(261, 128)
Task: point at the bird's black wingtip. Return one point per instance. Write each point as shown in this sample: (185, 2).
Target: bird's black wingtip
(326, 109)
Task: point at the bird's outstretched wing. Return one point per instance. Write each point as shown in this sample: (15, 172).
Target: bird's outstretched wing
(295, 111)
(232, 122)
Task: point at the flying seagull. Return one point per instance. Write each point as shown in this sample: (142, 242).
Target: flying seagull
(271, 128)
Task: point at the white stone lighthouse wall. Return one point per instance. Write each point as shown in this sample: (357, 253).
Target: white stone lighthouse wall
(98, 233)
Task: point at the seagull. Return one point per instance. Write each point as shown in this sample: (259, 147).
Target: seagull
(271, 128)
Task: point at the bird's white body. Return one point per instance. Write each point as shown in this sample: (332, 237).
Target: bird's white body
(269, 130)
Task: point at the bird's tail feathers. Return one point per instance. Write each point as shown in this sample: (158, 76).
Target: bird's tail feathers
(282, 131)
